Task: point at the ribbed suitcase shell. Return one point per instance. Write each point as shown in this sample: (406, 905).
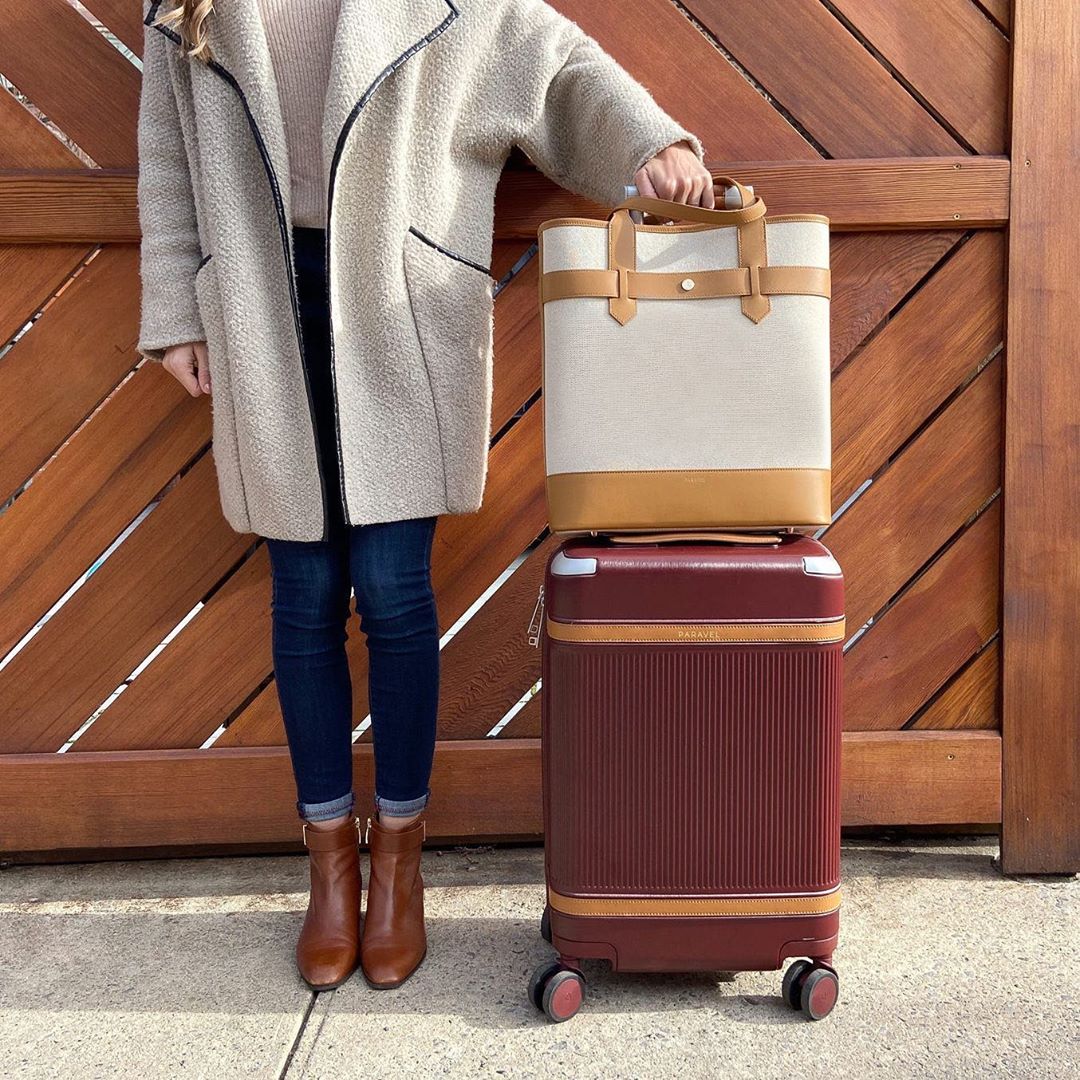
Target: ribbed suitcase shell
(691, 752)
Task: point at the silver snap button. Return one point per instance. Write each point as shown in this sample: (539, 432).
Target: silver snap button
(687, 284)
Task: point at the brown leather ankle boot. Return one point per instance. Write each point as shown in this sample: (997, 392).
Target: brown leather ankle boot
(394, 940)
(328, 949)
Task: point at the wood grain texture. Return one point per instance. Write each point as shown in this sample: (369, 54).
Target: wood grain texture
(998, 11)
(857, 195)
(938, 623)
(480, 790)
(922, 499)
(921, 778)
(689, 76)
(108, 472)
(32, 274)
(810, 63)
(122, 17)
(95, 206)
(58, 372)
(124, 611)
(905, 372)
(971, 700)
(952, 56)
(1041, 636)
(204, 675)
(871, 274)
(489, 663)
(70, 72)
(26, 143)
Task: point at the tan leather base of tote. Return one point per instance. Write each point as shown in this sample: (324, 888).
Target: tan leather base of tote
(718, 498)
(685, 369)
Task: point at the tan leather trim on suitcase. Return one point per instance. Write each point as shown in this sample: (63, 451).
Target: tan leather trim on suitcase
(652, 499)
(686, 285)
(696, 905)
(744, 633)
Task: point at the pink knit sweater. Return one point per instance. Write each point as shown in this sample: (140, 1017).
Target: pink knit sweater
(300, 35)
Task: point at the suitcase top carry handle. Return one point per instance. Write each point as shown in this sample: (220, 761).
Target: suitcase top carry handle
(695, 537)
(752, 208)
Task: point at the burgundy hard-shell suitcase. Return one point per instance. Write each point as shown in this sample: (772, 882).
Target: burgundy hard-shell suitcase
(691, 761)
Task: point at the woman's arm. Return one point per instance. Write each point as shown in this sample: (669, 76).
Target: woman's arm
(585, 121)
(170, 250)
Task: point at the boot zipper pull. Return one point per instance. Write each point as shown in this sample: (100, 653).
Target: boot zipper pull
(536, 621)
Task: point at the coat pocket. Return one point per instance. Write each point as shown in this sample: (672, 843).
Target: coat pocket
(226, 444)
(452, 303)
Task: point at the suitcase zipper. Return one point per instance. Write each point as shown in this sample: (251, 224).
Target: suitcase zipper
(537, 619)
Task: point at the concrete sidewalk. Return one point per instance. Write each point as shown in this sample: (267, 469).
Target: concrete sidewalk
(184, 968)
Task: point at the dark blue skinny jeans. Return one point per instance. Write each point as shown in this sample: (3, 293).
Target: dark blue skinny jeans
(388, 567)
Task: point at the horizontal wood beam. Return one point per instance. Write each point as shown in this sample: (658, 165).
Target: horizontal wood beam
(869, 194)
(481, 789)
(857, 195)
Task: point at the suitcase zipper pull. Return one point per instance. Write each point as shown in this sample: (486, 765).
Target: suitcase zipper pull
(537, 619)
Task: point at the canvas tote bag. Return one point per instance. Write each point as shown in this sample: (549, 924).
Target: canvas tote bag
(685, 368)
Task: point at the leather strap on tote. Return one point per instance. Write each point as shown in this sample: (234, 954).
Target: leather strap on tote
(700, 285)
(749, 219)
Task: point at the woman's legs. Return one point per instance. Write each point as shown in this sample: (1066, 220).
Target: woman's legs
(310, 610)
(390, 565)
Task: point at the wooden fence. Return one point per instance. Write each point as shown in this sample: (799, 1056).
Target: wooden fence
(137, 706)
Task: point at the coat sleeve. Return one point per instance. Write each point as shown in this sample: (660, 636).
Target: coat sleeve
(582, 118)
(170, 249)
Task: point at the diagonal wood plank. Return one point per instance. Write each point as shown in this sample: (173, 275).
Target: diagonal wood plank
(938, 623)
(32, 274)
(489, 664)
(940, 336)
(998, 11)
(526, 724)
(26, 143)
(74, 355)
(871, 274)
(205, 673)
(942, 480)
(971, 700)
(853, 107)
(70, 72)
(517, 345)
(167, 565)
(950, 53)
(146, 432)
(122, 17)
(688, 77)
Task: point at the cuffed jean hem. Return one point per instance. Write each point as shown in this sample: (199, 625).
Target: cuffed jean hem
(401, 808)
(324, 811)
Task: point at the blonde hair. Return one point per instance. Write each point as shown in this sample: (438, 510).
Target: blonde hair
(188, 17)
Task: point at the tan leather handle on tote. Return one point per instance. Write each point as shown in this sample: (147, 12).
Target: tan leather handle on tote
(753, 207)
(749, 219)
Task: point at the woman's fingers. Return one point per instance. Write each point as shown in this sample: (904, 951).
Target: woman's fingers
(678, 175)
(203, 362)
(181, 362)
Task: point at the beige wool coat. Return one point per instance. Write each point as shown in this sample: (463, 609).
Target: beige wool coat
(425, 101)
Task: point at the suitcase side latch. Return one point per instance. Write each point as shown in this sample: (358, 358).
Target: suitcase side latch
(536, 622)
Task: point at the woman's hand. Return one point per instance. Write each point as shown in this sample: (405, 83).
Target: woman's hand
(677, 174)
(188, 364)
